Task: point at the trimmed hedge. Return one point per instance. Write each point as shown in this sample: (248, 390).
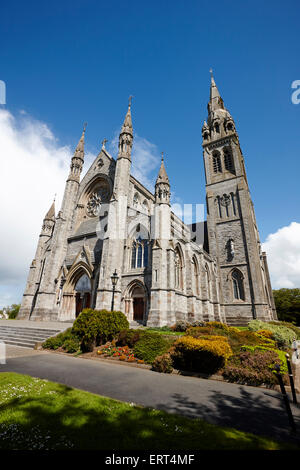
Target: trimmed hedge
(201, 355)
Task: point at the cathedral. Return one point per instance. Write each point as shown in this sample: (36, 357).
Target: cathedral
(115, 245)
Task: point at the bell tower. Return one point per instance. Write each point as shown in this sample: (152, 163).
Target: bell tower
(233, 235)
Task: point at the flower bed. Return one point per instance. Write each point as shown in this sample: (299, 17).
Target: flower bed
(117, 352)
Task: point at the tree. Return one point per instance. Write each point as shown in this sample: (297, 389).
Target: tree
(287, 303)
(11, 311)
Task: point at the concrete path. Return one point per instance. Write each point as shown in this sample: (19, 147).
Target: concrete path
(251, 409)
(52, 325)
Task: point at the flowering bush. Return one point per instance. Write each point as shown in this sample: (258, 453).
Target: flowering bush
(200, 355)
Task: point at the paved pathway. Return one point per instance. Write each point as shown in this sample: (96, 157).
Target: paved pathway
(52, 325)
(252, 409)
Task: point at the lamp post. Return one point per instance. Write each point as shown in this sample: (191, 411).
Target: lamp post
(114, 280)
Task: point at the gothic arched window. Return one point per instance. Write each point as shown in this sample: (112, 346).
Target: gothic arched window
(139, 254)
(238, 285)
(228, 160)
(178, 270)
(217, 165)
(207, 279)
(196, 275)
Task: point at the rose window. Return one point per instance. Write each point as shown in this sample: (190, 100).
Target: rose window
(99, 196)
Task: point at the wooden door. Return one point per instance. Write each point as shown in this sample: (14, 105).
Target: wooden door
(78, 304)
(138, 309)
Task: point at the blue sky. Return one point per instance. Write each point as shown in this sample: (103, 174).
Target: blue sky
(68, 62)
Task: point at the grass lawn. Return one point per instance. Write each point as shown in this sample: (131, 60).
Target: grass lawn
(37, 414)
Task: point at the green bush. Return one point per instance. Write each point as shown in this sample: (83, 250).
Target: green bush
(282, 335)
(289, 325)
(58, 341)
(150, 345)
(163, 364)
(95, 327)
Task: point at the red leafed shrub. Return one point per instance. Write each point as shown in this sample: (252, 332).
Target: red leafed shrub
(252, 368)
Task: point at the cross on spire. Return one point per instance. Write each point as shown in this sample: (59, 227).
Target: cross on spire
(129, 100)
(103, 143)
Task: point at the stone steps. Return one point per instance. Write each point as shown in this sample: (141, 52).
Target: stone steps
(134, 324)
(237, 321)
(25, 337)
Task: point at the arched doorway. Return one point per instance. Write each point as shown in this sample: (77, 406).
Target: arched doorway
(83, 294)
(136, 302)
(138, 296)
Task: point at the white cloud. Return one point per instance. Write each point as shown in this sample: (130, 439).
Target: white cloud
(33, 168)
(283, 252)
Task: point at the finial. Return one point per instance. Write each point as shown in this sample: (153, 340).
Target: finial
(54, 197)
(211, 72)
(129, 100)
(103, 143)
(162, 156)
(84, 126)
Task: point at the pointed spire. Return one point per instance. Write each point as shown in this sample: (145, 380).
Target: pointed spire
(79, 151)
(51, 212)
(216, 101)
(162, 174)
(127, 125)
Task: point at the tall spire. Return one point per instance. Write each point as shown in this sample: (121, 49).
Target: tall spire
(162, 176)
(79, 151)
(162, 185)
(77, 159)
(126, 135)
(215, 101)
(127, 125)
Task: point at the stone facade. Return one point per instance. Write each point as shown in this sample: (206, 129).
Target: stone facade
(109, 222)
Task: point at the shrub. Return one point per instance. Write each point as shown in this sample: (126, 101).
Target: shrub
(218, 325)
(282, 335)
(289, 325)
(180, 325)
(265, 333)
(71, 345)
(163, 364)
(200, 355)
(151, 345)
(128, 337)
(95, 327)
(58, 341)
(252, 367)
